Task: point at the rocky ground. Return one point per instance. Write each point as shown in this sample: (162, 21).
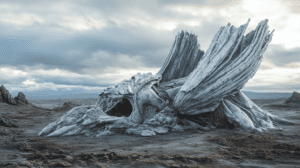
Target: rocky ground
(21, 147)
(52, 103)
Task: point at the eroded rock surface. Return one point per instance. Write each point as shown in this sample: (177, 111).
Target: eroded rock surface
(21, 99)
(294, 99)
(68, 105)
(7, 122)
(5, 97)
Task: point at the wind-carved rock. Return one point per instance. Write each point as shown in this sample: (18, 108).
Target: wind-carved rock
(192, 90)
(68, 105)
(294, 100)
(21, 99)
(5, 97)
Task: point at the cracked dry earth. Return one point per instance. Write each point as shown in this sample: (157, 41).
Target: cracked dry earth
(21, 147)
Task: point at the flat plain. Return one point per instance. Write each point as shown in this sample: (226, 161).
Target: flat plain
(21, 147)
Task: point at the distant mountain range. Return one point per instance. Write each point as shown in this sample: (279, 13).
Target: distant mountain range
(57, 95)
(75, 95)
(267, 95)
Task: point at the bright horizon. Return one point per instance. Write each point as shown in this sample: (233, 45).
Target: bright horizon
(85, 46)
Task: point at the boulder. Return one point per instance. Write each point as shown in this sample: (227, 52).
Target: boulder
(7, 122)
(6, 97)
(4, 132)
(21, 99)
(294, 99)
(68, 105)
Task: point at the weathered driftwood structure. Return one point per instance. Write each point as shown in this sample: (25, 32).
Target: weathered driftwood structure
(193, 89)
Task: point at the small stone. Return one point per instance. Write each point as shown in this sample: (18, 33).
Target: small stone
(148, 133)
(14, 139)
(25, 164)
(4, 132)
(4, 164)
(69, 158)
(7, 122)
(60, 164)
(199, 131)
(161, 130)
(24, 146)
(206, 128)
(61, 151)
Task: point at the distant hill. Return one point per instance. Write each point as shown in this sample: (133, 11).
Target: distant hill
(63, 96)
(267, 95)
(58, 95)
(75, 95)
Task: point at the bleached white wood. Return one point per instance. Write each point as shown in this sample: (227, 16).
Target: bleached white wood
(205, 87)
(185, 51)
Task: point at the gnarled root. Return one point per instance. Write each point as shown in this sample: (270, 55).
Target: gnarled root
(242, 112)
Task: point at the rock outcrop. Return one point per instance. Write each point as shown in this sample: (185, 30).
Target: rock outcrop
(7, 122)
(5, 97)
(21, 99)
(294, 99)
(68, 105)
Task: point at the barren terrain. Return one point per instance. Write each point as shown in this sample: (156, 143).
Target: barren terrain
(21, 147)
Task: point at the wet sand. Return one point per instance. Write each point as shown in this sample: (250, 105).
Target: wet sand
(21, 147)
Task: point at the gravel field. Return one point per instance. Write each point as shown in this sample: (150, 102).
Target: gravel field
(20, 147)
(52, 103)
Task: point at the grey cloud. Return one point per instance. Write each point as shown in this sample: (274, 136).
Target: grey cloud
(154, 8)
(198, 2)
(49, 45)
(116, 6)
(282, 56)
(85, 81)
(41, 46)
(3, 80)
(122, 48)
(30, 2)
(59, 52)
(205, 33)
(274, 88)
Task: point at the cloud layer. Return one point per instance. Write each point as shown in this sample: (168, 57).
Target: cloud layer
(64, 44)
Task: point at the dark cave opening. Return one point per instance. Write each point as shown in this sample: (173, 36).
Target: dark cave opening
(123, 108)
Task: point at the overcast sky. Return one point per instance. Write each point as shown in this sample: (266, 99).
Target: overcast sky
(86, 45)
